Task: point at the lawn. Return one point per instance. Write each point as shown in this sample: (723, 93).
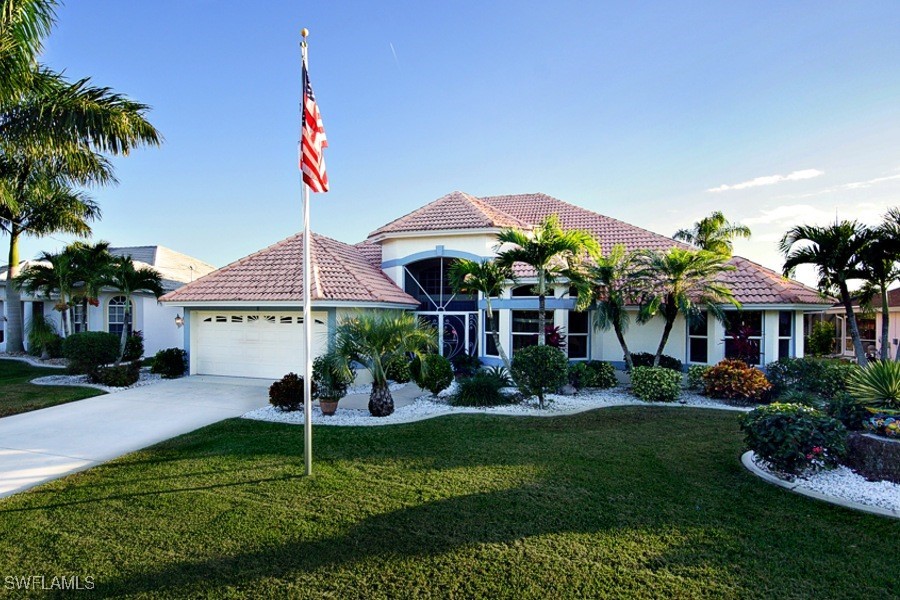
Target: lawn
(18, 396)
(637, 502)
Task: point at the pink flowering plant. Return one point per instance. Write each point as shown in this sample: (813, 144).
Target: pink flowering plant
(794, 439)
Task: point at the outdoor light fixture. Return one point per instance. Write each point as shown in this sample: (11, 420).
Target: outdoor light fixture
(179, 321)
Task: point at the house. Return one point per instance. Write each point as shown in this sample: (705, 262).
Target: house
(245, 319)
(155, 320)
(868, 321)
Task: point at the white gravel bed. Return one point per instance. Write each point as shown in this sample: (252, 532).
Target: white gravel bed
(841, 483)
(365, 388)
(427, 407)
(146, 378)
(53, 363)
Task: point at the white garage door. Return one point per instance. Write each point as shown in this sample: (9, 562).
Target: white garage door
(253, 344)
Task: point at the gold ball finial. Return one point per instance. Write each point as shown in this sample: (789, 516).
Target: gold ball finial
(304, 32)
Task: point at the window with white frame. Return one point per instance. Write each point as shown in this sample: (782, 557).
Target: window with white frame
(78, 318)
(116, 315)
(490, 347)
(525, 328)
(744, 335)
(578, 332)
(785, 333)
(698, 336)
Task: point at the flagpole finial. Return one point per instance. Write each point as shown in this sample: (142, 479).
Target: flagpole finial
(304, 32)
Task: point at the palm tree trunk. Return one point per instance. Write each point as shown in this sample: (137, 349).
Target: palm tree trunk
(667, 329)
(495, 334)
(381, 403)
(84, 314)
(125, 328)
(885, 324)
(617, 327)
(854, 328)
(542, 318)
(15, 340)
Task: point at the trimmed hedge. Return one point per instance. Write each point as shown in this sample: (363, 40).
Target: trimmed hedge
(645, 359)
(170, 363)
(695, 376)
(134, 346)
(434, 374)
(822, 376)
(540, 370)
(655, 384)
(124, 375)
(592, 374)
(90, 350)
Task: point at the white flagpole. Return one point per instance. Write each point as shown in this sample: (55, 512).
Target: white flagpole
(307, 281)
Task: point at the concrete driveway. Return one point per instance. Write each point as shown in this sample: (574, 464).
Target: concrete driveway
(45, 444)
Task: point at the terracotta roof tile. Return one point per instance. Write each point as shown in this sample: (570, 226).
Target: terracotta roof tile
(340, 272)
(371, 252)
(753, 283)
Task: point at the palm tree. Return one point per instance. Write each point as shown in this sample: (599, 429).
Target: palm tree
(487, 278)
(125, 278)
(878, 266)
(375, 340)
(553, 253)
(618, 280)
(713, 233)
(684, 282)
(54, 277)
(834, 251)
(92, 265)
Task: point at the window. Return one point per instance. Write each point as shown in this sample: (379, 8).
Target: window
(116, 315)
(867, 335)
(524, 291)
(78, 318)
(698, 336)
(785, 333)
(578, 333)
(525, 328)
(428, 282)
(743, 339)
(490, 348)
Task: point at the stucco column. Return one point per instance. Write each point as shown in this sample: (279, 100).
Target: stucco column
(770, 336)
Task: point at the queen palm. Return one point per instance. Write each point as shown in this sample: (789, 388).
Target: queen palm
(124, 277)
(92, 264)
(488, 278)
(713, 233)
(834, 251)
(553, 253)
(54, 276)
(375, 340)
(684, 282)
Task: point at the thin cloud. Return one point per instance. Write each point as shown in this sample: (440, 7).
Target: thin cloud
(853, 185)
(789, 215)
(394, 52)
(769, 180)
(868, 183)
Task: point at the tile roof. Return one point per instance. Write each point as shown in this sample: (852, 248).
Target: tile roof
(456, 210)
(171, 265)
(370, 251)
(340, 272)
(753, 283)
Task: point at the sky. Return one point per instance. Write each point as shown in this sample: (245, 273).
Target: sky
(655, 113)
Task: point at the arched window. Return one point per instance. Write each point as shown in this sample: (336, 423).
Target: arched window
(116, 315)
(428, 281)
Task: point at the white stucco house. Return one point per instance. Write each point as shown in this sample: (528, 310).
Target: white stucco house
(155, 320)
(868, 321)
(245, 319)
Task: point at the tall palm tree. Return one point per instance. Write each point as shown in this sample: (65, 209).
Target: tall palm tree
(618, 280)
(684, 282)
(713, 233)
(92, 265)
(879, 267)
(553, 253)
(53, 277)
(375, 340)
(488, 278)
(125, 278)
(834, 251)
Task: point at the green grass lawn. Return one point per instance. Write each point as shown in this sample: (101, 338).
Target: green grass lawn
(636, 502)
(18, 396)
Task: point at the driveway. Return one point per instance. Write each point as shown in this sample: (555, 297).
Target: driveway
(42, 445)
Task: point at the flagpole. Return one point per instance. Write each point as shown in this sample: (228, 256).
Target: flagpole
(307, 281)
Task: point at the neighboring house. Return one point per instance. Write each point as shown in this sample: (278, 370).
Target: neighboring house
(244, 319)
(156, 321)
(868, 320)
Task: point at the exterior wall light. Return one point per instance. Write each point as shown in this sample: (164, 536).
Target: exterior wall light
(179, 321)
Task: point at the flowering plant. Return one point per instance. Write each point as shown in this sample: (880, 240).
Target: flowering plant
(735, 380)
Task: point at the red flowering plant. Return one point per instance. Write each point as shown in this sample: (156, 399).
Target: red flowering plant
(735, 380)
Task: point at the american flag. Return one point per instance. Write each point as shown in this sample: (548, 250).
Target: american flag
(312, 141)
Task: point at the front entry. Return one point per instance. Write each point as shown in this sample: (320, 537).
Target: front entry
(457, 332)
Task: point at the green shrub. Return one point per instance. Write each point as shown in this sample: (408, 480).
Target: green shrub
(736, 380)
(134, 346)
(802, 397)
(499, 373)
(821, 376)
(435, 374)
(848, 411)
(539, 370)
(592, 374)
(286, 394)
(170, 363)
(877, 385)
(331, 381)
(481, 389)
(90, 350)
(695, 376)
(399, 369)
(793, 439)
(821, 339)
(645, 359)
(123, 375)
(655, 384)
(41, 335)
(466, 364)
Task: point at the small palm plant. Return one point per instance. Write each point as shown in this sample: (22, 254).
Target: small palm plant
(124, 277)
(877, 385)
(374, 340)
(713, 233)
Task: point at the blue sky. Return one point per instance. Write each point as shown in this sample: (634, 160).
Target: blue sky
(635, 110)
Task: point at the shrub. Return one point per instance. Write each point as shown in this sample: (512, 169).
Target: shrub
(134, 346)
(435, 373)
(877, 385)
(592, 374)
(122, 375)
(821, 376)
(90, 350)
(736, 380)
(655, 384)
(330, 381)
(170, 363)
(466, 364)
(821, 339)
(41, 335)
(847, 410)
(802, 397)
(695, 376)
(792, 438)
(539, 370)
(499, 373)
(399, 369)
(286, 394)
(645, 359)
(481, 389)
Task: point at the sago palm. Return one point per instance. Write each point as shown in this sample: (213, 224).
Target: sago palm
(123, 277)
(713, 233)
(554, 254)
(375, 340)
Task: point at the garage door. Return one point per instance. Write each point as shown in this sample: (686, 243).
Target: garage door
(253, 344)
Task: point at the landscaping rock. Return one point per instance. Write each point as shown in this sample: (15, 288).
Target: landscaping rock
(875, 458)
